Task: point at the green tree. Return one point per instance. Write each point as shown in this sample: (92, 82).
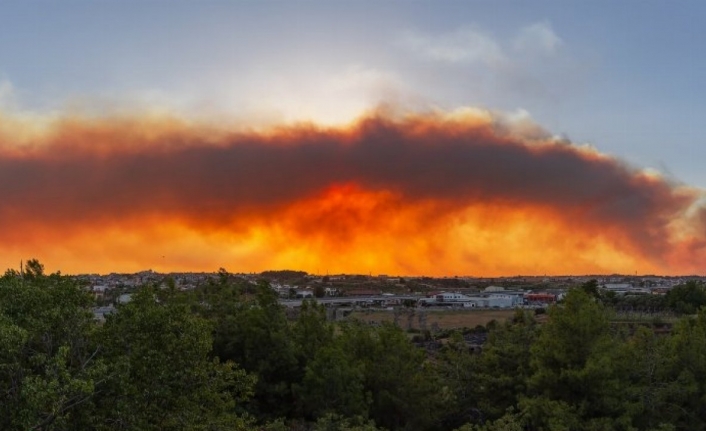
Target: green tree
(575, 384)
(311, 331)
(591, 288)
(510, 421)
(406, 390)
(333, 422)
(683, 397)
(333, 383)
(50, 368)
(486, 385)
(503, 368)
(456, 366)
(33, 269)
(162, 373)
(257, 336)
(687, 298)
(656, 392)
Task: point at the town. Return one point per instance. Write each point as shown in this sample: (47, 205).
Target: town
(346, 293)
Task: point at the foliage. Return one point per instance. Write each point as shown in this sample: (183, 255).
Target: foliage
(285, 275)
(687, 298)
(49, 367)
(311, 331)
(406, 391)
(575, 380)
(148, 367)
(333, 383)
(189, 391)
(228, 356)
(332, 422)
(510, 421)
(504, 367)
(257, 336)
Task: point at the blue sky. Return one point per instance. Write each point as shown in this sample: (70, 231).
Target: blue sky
(626, 77)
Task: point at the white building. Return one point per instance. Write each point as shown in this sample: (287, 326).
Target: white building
(452, 297)
(493, 300)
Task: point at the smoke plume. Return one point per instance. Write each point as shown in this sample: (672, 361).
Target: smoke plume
(441, 193)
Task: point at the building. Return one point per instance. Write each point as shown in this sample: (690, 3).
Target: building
(539, 298)
(446, 297)
(494, 300)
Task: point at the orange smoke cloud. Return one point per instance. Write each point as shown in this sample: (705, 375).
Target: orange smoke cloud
(437, 194)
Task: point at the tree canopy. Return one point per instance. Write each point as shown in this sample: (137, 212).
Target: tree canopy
(228, 356)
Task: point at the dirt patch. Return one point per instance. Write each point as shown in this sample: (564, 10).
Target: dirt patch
(444, 319)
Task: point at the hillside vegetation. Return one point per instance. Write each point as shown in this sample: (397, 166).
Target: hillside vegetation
(212, 358)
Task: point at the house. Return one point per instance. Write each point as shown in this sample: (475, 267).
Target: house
(446, 297)
(501, 301)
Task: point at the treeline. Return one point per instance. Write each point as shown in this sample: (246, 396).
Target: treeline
(215, 358)
(687, 298)
(285, 275)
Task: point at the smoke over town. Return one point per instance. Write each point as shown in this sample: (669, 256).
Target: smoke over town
(464, 192)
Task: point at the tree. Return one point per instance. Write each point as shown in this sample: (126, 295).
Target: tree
(657, 394)
(683, 402)
(503, 368)
(333, 383)
(687, 298)
(458, 371)
(162, 373)
(575, 383)
(33, 269)
(257, 336)
(486, 385)
(406, 390)
(591, 288)
(510, 421)
(333, 422)
(50, 368)
(311, 331)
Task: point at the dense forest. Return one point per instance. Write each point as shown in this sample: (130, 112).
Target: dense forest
(213, 358)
